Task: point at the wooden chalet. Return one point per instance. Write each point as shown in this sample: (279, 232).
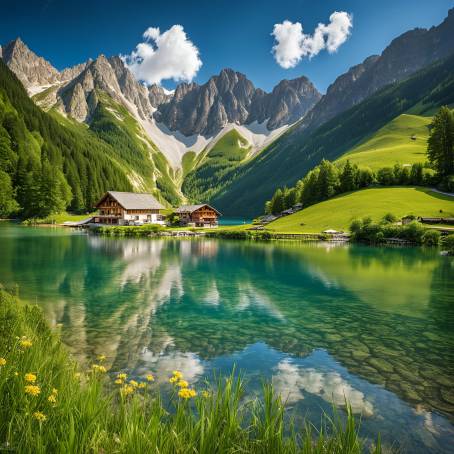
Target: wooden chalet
(198, 215)
(128, 208)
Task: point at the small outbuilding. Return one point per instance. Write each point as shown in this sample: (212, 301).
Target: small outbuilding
(202, 215)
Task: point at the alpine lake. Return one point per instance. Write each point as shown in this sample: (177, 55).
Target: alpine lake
(324, 323)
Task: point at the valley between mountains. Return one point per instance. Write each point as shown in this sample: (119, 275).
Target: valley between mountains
(225, 142)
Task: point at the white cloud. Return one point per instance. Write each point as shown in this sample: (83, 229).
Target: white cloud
(291, 381)
(168, 55)
(292, 44)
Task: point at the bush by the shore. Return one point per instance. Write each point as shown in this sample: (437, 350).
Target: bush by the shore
(366, 231)
(47, 404)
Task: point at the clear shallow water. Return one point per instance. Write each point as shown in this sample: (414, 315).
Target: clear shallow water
(373, 325)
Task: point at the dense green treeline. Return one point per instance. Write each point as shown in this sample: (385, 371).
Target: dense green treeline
(44, 166)
(328, 180)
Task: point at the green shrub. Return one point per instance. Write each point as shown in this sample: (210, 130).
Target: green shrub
(448, 243)
(431, 238)
(389, 218)
(369, 232)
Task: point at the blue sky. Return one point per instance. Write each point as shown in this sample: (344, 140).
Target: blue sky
(235, 33)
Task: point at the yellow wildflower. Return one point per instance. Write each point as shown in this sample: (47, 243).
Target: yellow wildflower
(54, 391)
(177, 374)
(122, 376)
(101, 358)
(133, 383)
(186, 393)
(142, 385)
(77, 375)
(33, 390)
(30, 378)
(25, 343)
(205, 394)
(118, 381)
(183, 384)
(127, 390)
(98, 368)
(52, 399)
(173, 379)
(39, 416)
(150, 377)
(16, 373)
(2, 361)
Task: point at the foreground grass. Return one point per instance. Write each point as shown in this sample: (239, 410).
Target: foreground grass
(338, 213)
(47, 405)
(393, 144)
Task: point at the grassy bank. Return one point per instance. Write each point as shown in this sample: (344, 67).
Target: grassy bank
(48, 405)
(57, 219)
(339, 212)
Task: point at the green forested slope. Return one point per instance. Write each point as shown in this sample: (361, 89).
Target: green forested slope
(216, 167)
(293, 154)
(47, 166)
(49, 163)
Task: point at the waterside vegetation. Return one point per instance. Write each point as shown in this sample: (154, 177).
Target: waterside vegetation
(48, 404)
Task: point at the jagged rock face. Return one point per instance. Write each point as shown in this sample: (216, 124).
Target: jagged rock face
(77, 103)
(158, 96)
(405, 55)
(29, 68)
(70, 73)
(132, 90)
(231, 98)
(287, 103)
(110, 76)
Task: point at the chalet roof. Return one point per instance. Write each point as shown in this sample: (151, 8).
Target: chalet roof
(192, 208)
(134, 201)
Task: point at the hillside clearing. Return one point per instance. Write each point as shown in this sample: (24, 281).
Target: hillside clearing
(403, 141)
(338, 212)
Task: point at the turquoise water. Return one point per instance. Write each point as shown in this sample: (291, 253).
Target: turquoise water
(234, 221)
(322, 323)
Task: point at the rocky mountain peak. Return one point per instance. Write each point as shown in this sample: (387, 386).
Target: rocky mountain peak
(29, 68)
(231, 97)
(157, 95)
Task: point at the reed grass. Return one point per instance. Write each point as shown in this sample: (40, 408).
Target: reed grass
(86, 411)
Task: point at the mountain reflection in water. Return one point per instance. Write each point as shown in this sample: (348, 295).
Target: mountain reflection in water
(322, 323)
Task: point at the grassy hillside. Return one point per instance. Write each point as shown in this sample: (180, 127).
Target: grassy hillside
(149, 170)
(393, 144)
(338, 212)
(291, 156)
(213, 169)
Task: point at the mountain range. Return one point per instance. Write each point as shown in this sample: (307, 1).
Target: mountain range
(210, 141)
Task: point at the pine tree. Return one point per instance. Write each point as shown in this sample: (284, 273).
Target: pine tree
(310, 193)
(347, 178)
(328, 180)
(440, 149)
(277, 202)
